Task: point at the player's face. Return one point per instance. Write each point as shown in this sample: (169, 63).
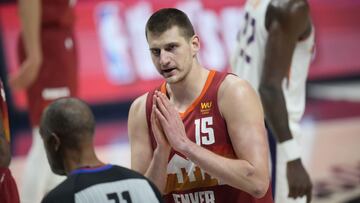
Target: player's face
(53, 152)
(172, 54)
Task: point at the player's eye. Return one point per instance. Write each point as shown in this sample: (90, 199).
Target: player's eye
(155, 52)
(171, 47)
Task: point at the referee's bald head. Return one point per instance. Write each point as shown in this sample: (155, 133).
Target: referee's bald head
(70, 119)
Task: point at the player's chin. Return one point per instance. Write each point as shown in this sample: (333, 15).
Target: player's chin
(173, 79)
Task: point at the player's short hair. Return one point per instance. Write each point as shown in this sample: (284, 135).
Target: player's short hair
(70, 119)
(165, 19)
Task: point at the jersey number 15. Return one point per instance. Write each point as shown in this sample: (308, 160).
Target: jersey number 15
(204, 133)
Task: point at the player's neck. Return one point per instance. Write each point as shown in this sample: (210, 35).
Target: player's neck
(182, 94)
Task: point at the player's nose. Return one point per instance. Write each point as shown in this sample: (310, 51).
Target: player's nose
(164, 58)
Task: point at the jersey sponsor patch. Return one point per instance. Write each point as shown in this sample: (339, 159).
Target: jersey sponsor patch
(205, 107)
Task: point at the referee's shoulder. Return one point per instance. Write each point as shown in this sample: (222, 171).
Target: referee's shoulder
(61, 193)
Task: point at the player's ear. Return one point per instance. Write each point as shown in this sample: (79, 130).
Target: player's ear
(195, 44)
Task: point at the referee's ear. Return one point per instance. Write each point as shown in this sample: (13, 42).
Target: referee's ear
(54, 142)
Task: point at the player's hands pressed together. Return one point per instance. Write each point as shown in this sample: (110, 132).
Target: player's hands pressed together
(161, 140)
(171, 123)
(298, 180)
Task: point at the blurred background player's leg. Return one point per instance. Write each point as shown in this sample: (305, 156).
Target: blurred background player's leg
(57, 78)
(48, 71)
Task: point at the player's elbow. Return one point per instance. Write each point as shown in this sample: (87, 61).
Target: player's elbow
(260, 184)
(260, 189)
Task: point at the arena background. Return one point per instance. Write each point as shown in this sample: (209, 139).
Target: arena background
(115, 67)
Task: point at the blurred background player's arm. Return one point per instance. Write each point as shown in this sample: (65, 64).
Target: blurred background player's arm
(5, 153)
(30, 16)
(286, 23)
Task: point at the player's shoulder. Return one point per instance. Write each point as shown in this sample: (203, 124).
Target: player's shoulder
(290, 16)
(234, 82)
(138, 105)
(137, 123)
(234, 92)
(232, 86)
(139, 101)
(288, 10)
(289, 6)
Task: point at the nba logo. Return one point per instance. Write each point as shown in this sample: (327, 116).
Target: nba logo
(114, 44)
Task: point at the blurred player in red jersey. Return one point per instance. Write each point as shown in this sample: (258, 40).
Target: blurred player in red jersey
(48, 71)
(200, 137)
(8, 189)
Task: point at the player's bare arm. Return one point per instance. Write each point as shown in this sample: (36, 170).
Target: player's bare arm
(287, 22)
(152, 164)
(30, 15)
(242, 111)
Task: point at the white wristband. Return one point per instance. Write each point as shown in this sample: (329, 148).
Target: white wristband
(291, 150)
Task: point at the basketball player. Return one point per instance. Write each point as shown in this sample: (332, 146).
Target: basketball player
(48, 71)
(273, 53)
(8, 188)
(200, 137)
(67, 129)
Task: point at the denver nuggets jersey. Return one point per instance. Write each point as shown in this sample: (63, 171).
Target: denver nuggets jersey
(205, 126)
(248, 59)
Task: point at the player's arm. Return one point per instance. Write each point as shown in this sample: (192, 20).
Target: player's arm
(286, 27)
(30, 16)
(242, 111)
(286, 24)
(152, 164)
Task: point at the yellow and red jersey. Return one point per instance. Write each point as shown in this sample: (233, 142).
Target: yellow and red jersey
(206, 127)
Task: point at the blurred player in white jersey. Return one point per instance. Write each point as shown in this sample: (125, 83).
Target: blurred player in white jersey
(274, 50)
